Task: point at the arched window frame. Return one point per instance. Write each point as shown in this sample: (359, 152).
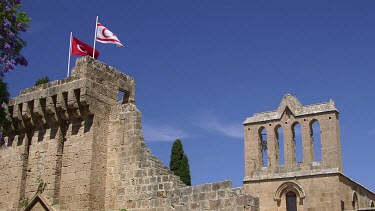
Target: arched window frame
(314, 153)
(355, 200)
(297, 150)
(289, 186)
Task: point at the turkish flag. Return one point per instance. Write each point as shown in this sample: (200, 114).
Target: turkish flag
(82, 49)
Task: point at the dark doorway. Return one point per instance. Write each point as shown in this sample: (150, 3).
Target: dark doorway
(291, 201)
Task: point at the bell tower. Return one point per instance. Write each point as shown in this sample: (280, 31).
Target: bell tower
(264, 131)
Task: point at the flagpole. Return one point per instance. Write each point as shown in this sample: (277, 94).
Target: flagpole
(96, 27)
(70, 51)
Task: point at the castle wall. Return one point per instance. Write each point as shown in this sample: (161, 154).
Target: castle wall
(43, 162)
(137, 180)
(11, 167)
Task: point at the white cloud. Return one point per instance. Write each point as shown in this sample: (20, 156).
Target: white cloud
(208, 121)
(154, 132)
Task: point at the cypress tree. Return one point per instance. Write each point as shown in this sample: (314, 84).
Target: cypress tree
(179, 163)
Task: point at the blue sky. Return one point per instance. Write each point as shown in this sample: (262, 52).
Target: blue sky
(202, 67)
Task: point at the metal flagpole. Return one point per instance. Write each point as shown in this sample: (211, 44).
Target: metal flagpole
(70, 51)
(96, 27)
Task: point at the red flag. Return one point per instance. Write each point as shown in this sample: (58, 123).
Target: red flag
(82, 49)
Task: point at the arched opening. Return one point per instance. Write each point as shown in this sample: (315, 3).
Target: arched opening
(355, 201)
(372, 204)
(289, 196)
(297, 138)
(280, 144)
(315, 138)
(263, 145)
(291, 201)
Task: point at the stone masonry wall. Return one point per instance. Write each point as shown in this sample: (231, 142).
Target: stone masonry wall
(137, 180)
(348, 188)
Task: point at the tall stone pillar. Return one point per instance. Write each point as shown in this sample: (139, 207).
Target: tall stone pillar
(307, 143)
(289, 146)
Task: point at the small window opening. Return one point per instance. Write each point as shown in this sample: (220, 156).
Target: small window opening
(123, 96)
(342, 205)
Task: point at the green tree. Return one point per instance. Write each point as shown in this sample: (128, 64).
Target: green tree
(43, 80)
(179, 163)
(4, 97)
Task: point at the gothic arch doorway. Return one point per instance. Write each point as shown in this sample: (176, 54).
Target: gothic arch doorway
(289, 196)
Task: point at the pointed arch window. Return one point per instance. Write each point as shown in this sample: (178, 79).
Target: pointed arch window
(263, 145)
(316, 139)
(355, 201)
(297, 138)
(279, 133)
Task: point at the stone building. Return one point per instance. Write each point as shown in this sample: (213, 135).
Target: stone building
(72, 145)
(290, 184)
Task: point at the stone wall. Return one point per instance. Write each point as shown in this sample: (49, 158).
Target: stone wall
(137, 180)
(315, 192)
(349, 188)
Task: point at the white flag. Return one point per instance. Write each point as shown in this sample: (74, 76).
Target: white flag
(103, 35)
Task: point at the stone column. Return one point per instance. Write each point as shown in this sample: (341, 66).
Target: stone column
(307, 143)
(330, 140)
(289, 146)
(253, 154)
(272, 148)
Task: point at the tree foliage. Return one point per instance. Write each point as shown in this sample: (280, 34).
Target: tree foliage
(179, 163)
(13, 22)
(4, 97)
(43, 80)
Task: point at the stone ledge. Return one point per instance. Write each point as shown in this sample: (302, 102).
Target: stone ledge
(292, 175)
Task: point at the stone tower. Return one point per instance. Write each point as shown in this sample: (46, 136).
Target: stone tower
(290, 113)
(73, 145)
(313, 184)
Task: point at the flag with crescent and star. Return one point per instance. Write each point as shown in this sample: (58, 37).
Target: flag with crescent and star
(103, 35)
(82, 49)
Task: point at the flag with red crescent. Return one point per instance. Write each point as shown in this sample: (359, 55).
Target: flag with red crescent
(103, 35)
(82, 49)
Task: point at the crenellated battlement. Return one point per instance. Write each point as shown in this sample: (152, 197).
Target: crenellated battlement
(91, 86)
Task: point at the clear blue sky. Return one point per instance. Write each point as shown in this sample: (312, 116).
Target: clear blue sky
(202, 67)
